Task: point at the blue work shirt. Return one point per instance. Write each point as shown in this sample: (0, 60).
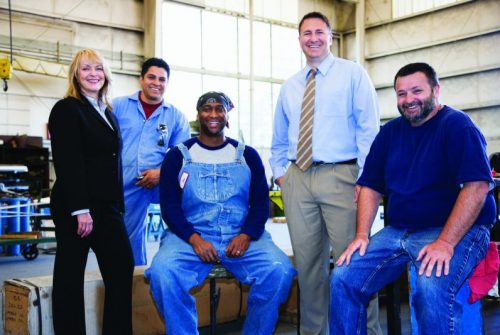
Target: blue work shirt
(346, 115)
(142, 145)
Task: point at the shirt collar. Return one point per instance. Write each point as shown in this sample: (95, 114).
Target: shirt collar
(135, 96)
(97, 104)
(323, 67)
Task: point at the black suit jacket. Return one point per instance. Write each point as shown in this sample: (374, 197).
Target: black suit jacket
(87, 157)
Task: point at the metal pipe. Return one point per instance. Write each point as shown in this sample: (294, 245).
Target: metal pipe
(10, 33)
(360, 32)
(252, 78)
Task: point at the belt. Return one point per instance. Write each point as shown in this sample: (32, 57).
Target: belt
(348, 162)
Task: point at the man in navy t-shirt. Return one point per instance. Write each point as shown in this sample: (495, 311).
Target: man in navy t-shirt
(431, 165)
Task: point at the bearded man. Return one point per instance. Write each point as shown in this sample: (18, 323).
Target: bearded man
(431, 166)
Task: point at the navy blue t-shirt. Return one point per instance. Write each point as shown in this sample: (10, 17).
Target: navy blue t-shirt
(171, 192)
(421, 169)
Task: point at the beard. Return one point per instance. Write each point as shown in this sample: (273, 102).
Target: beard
(426, 107)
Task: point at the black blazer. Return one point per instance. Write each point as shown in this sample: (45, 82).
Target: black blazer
(87, 157)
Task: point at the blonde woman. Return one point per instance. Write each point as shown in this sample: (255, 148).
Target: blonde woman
(87, 200)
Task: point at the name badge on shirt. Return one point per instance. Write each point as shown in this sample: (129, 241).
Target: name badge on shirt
(183, 180)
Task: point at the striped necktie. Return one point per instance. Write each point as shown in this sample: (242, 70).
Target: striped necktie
(304, 146)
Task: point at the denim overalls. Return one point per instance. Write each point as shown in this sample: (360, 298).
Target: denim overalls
(215, 197)
(215, 201)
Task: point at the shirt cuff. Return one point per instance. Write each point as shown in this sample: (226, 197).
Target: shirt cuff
(81, 211)
(278, 172)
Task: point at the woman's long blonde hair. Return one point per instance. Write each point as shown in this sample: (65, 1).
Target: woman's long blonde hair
(74, 89)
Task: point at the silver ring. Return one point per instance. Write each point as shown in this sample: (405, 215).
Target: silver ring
(238, 252)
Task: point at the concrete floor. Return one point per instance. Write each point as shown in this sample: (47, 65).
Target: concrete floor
(18, 267)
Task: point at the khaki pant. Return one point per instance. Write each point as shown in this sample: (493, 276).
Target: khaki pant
(321, 214)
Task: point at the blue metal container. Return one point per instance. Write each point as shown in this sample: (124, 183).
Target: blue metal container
(17, 218)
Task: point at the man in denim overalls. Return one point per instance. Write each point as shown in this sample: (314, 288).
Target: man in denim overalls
(214, 199)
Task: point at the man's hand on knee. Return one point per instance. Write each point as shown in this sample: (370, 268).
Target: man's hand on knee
(238, 245)
(360, 243)
(204, 249)
(437, 253)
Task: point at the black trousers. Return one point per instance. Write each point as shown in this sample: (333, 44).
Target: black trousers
(111, 245)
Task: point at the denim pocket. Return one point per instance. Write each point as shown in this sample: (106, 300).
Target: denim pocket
(214, 184)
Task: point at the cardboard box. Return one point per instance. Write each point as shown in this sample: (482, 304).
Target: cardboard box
(288, 310)
(28, 305)
(148, 321)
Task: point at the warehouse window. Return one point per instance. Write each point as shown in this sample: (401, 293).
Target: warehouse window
(279, 10)
(209, 49)
(408, 7)
(219, 42)
(182, 35)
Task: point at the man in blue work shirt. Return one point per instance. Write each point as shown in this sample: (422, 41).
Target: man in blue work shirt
(149, 127)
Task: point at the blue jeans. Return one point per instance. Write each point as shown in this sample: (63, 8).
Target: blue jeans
(389, 251)
(176, 269)
(472, 319)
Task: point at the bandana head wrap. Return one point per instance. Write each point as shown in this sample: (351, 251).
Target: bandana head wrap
(215, 97)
